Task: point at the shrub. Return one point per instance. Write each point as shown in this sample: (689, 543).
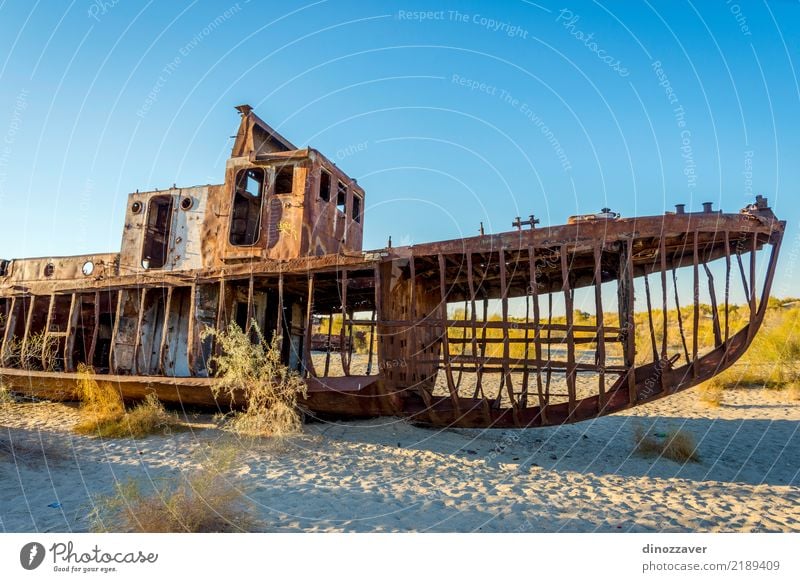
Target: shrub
(251, 374)
(6, 397)
(677, 445)
(205, 500)
(40, 353)
(711, 392)
(103, 412)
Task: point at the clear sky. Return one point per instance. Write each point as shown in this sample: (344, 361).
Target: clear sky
(448, 113)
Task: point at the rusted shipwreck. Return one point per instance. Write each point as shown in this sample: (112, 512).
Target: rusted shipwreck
(474, 332)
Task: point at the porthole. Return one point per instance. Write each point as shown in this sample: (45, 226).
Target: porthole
(136, 207)
(88, 268)
(49, 269)
(187, 203)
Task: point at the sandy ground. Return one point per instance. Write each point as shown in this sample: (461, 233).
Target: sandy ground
(386, 475)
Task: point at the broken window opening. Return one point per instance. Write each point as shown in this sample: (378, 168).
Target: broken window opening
(341, 198)
(357, 208)
(157, 232)
(325, 186)
(284, 180)
(246, 212)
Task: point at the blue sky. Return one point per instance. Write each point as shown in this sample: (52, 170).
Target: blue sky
(448, 113)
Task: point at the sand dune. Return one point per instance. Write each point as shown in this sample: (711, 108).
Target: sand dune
(387, 475)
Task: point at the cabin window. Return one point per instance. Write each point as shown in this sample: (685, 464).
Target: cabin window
(341, 198)
(325, 185)
(284, 180)
(246, 212)
(357, 208)
(157, 231)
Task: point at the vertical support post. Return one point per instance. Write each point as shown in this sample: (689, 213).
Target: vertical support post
(600, 359)
(309, 362)
(328, 344)
(626, 305)
(753, 298)
(250, 308)
(445, 339)
(164, 347)
(473, 321)
(191, 342)
(680, 316)
(117, 313)
(376, 316)
(662, 251)
(279, 327)
(137, 341)
(650, 317)
(714, 313)
(28, 323)
(727, 292)
(9, 331)
(95, 329)
(568, 306)
(69, 340)
(343, 347)
(696, 314)
(506, 347)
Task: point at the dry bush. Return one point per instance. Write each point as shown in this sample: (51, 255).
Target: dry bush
(794, 391)
(103, 413)
(6, 397)
(40, 352)
(712, 392)
(253, 370)
(677, 445)
(206, 500)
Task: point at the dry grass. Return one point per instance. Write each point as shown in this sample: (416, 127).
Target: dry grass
(103, 413)
(794, 391)
(206, 500)
(6, 397)
(712, 393)
(40, 352)
(253, 371)
(677, 445)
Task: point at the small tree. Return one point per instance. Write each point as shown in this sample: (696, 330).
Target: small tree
(252, 374)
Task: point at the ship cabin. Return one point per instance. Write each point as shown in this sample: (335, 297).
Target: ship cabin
(197, 257)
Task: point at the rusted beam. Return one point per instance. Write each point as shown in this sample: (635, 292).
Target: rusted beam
(69, 341)
(114, 333)
(651, 325)
(163, 349)
(696, 313)
(664, 307)
(8, 333)
(445, 340)
(26, 336)
(137, 341)
(192, 335)
(568, 303)
(504, 311)
(95, 329)
(328, 345)
(727, 292)
(342, 347)
(250, 307)
(309, 362)
(600, 358)
(714, 313)
(680, 317)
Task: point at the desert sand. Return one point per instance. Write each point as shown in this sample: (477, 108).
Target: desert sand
(385, 475)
